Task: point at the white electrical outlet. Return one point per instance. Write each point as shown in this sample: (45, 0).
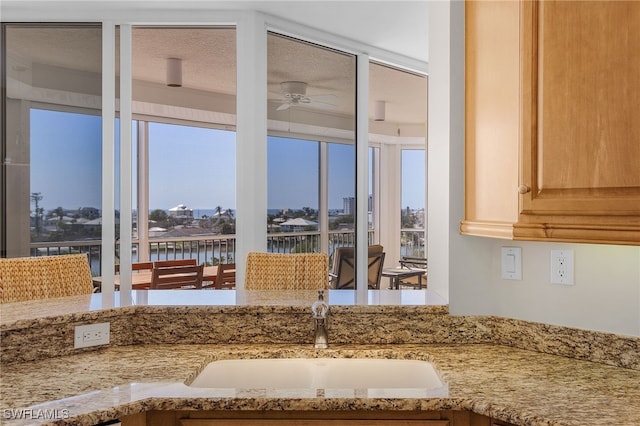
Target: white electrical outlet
(91, 335)
(562, 267)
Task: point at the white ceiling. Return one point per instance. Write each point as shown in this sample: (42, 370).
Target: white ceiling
(209, 61)
(396, 26)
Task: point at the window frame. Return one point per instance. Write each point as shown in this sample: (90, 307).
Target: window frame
(252, 29)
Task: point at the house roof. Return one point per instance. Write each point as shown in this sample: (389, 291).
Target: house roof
(179, 207)
(298, 221)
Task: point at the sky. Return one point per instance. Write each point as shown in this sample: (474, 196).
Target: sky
(63, 179)
(193, 166)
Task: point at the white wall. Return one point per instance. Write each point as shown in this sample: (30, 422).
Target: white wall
(606, 294)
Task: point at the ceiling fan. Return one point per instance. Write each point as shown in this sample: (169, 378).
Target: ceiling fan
(295, 93)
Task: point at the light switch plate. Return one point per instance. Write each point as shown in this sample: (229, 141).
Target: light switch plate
(511, 261)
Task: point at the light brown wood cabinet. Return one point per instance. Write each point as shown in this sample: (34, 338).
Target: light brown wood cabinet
(309, 418)
(553, 121)
(294, 422)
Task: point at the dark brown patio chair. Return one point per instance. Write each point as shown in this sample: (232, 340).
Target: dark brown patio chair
(343, 271)
(175, 262)
(177, 277)
(226, 276)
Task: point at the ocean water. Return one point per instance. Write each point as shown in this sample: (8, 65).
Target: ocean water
(200, 213)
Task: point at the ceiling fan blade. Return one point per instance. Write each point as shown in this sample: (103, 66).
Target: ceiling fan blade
(283, 107)
(275, 96)
(328, 98)
(322, 105)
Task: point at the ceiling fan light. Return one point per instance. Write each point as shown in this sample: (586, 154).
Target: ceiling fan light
(174, 72)
(294, 88)
(379, 110)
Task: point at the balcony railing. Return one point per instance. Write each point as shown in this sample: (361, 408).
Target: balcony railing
(412, 242)
(214, 249)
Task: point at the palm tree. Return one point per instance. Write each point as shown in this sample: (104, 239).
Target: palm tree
(59, 211)
(36, 197)
(218, 214)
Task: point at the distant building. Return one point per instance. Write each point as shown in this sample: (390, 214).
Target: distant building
(298, 225)
(181, 212)
(349, 205)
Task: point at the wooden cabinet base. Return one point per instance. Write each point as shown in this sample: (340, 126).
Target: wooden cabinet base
(553, 232)
(309, 418)
(327, 422)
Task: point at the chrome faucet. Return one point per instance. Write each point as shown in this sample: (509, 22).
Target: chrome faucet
(319, 311)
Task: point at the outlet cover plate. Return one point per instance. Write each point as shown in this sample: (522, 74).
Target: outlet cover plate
(511, 260)
(562, 267)
(91, 335)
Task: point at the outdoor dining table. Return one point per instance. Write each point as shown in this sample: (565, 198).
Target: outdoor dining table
(141, 280)
(396, 275)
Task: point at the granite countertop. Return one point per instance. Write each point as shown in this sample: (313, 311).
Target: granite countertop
(515, 371)
(16, 315)
(519, 386)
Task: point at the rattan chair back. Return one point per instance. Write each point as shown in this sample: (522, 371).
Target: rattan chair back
(44, 277)
(279, 271)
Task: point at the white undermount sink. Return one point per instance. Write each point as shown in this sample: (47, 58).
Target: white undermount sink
(383, 375)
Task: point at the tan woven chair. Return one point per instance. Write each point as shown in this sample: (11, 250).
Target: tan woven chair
(276, 271)
(44, 277)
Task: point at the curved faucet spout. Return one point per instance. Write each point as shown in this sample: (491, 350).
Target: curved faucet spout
(319, 311)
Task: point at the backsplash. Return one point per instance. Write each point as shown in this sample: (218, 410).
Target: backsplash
(29, 339)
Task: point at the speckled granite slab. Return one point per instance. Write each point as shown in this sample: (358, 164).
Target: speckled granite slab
(38, 330)
(518, 386)
(160, 340)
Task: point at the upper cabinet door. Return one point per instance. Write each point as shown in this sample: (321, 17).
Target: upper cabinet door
(581, 120)
(553, 121)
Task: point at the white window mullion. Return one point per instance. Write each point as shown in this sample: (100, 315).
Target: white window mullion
(251, 140)
(362, 178)
(323, 207)
(390, 202)
(125, 158)
(108, 157)
(143, 191)
(376, 194)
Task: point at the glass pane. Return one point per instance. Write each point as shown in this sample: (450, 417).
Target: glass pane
(342, 195)
(184, 92)
(413, 211)
(397, 117)
(293, 194)
(191, 186)
(311, 100)
(65, 175)
(53, 139)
